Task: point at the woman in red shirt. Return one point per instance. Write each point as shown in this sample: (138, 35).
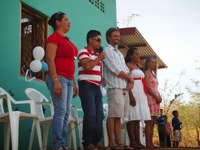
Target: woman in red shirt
(60, 55)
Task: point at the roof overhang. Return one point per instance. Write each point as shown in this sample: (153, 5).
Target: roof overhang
(131, 37)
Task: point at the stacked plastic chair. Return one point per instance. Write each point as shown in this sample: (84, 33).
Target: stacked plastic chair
(40, 101)
(11, 119)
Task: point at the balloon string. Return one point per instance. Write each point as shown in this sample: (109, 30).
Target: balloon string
(26, 76)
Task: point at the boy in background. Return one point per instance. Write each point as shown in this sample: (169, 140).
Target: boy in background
(176, 129)
(168, 132)
(161, 129)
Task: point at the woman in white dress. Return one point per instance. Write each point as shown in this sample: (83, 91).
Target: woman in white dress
(138, 109)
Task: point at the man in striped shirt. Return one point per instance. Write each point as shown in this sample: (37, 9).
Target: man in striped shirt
(89, 80)
(119, 82)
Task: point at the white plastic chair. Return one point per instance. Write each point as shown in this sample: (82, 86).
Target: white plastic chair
(11, 119)
(79, 123)
(105, 134)
(72, 132)
(142, 133)
(40, 100)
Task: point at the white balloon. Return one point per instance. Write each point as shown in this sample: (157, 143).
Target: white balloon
(103, 91)
(38, 53)
(35, 66)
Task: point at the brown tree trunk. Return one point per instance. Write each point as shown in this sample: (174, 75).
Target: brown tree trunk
(198, 137)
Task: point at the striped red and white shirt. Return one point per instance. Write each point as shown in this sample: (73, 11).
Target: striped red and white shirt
(92, 76)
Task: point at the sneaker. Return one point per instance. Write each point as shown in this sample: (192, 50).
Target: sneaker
(90, 147)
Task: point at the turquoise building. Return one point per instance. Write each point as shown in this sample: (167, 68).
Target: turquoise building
(24, 26)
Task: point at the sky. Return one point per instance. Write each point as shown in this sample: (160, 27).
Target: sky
(172, 29)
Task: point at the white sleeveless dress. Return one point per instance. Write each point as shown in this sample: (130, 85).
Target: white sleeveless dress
(141, 110)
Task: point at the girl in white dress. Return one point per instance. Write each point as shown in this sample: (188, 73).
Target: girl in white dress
(138, 109)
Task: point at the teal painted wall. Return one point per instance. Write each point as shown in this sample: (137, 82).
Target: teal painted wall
(83, 16)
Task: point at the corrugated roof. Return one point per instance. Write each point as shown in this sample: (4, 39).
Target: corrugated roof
(131, 37)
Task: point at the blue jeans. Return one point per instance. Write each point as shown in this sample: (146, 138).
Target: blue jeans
(92, 105)
(62, 107)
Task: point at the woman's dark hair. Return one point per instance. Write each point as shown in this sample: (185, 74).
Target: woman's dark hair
(148, 59)
(56, 16)
(92, 34)
(129, 53)
(109, 33)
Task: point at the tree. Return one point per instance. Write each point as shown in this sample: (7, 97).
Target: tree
(126, 22)
(170, 93)
(196, 107)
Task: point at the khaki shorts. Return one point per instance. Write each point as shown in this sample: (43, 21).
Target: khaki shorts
(118, 103)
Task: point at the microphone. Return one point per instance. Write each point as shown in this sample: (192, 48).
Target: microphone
(100, 49)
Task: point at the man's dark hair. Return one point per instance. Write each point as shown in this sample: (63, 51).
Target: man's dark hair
(174, 112)
(92, 34)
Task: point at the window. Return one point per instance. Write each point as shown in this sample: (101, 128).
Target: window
(99, 4)
(33, 33)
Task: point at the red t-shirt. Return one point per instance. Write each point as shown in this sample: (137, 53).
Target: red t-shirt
(65, 55)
